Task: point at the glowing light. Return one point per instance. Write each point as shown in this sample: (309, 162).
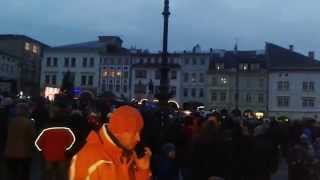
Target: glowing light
(118, 73)
(50, 92)
(259, 115)
(141, 101)
(187, 112)
(175, 102)
(224, 80)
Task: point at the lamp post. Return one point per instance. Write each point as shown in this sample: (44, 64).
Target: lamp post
(164, 95)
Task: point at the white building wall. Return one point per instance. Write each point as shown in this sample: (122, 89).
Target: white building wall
(151, 75)
(78, 70)
(295, 110)
(200, 66)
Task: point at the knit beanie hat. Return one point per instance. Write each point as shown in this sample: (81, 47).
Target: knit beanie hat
(125, 119)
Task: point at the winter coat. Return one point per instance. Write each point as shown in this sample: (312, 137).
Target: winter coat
(20, 138)
(210, 158)
(166, 168)
(100, 159)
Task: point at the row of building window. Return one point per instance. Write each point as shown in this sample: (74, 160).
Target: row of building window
(194, 61)
(31, 47)
(223, 97)
(70, 62)
(115, 81)
(85, 80)
(7, 58)
(193, 92)
(142, 74)
(193, 78)
(110, 74)
(7, 68)
(242, 66)
(157, 60)
(307, 86)
(116, 88)
(307, 102)
(51, 79)
(114, 61)
(143, 89)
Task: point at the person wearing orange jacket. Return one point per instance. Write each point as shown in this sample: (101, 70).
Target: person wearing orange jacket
(109, 153)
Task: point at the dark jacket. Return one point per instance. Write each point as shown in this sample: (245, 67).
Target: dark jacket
(210, 157)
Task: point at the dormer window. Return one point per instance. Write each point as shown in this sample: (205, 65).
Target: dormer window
(255, 67)
(219, 66)
(244, 67)
(27, 46)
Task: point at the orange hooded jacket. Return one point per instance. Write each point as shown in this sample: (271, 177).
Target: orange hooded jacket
(100, 159)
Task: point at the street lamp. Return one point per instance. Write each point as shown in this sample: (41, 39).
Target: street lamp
(164, 95)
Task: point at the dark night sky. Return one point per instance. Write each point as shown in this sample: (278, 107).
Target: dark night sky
(211, 23)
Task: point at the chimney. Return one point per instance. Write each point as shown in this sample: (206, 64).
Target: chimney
(311, 54)
(291, 47)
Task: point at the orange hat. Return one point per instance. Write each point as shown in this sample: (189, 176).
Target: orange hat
(125, 119)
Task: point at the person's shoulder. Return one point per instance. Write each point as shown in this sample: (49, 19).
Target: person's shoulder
(92, 152)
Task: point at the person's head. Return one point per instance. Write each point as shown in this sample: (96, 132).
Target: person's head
(125, 124)
(169, 150)
(22, 110)
(214, 118)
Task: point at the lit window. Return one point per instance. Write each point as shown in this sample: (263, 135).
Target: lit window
(27, 46)
(35, 49)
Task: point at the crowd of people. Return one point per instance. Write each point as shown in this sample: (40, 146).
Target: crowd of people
(218, 145)
(304, 150)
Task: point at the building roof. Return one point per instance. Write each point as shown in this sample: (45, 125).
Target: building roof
(280, 58)
(83, 45)
(231, 59)
(147, 54)
(21, 37)
(90, 45)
